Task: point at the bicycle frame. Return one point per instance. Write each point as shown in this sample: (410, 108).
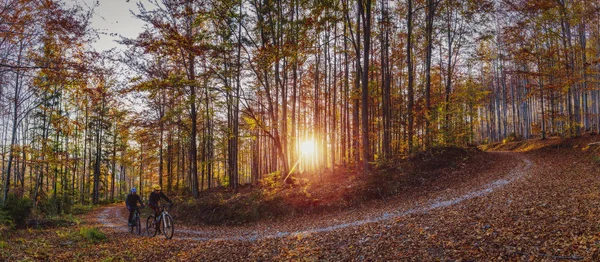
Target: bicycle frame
(163, 213)
(135, 222)
(162, 221)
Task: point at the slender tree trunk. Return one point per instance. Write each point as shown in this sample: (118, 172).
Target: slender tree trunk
(170, 161)
(96, 191)
(584, 84)
(356, 106)
(141, 182)
(161, 131)
(346, 114)
(15, 124)
(431, 6)
(114, 162)
(236, 104)
(410, 76)
(365, 85)
(572, 106)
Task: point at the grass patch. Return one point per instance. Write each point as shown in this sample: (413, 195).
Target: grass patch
(3, 244)
(92, 234)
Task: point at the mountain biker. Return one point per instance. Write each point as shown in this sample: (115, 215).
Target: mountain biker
(155, 197)
(131, 202)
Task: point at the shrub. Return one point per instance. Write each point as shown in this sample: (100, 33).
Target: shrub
(18, 209)
(80, 209)
(272, 180)
(5, 218)
(92, 234)
(50, 206)
(63, 220)
(66, 203)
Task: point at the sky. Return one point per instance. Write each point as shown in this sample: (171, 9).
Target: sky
(112, 18)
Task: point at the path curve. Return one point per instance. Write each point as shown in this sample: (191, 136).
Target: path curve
(111, 218)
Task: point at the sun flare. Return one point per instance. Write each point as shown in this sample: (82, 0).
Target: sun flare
(307, 147)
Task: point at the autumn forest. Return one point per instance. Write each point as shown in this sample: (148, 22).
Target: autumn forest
(230, 93)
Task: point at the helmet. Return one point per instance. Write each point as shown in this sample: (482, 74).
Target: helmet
(133, 190)
(156, 187)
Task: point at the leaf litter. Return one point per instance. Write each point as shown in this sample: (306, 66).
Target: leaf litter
(536, 205)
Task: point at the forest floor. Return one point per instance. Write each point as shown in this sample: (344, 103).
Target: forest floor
(534, 201)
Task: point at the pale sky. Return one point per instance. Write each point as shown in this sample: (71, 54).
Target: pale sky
(113, 17)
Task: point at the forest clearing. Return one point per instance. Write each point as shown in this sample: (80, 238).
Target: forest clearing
(547, 208)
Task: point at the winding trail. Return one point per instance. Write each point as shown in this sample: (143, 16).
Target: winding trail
(114, 218)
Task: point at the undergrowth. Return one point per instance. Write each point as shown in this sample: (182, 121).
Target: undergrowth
(17, 210)
(92, 234)
(338, 189)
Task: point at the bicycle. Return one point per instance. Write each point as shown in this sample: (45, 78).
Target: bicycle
(163, 223)
(135, 223)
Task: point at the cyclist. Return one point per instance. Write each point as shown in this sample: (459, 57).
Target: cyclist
(155, 197)
(131, 202)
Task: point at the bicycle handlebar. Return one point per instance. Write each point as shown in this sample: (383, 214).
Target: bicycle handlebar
(165, 207)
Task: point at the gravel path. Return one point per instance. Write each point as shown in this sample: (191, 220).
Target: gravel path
(114, 217)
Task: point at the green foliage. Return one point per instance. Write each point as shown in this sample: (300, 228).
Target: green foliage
(70, 219)
(5, 218)
(92, 234)
(74, 235)
(19, 209)
(64, 233)
(52, 206)
(79, 209)
(63, 205)
(66, 203)
(3, 244)
(108, 201)
(272, 180)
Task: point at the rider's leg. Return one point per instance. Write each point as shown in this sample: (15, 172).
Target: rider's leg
(130, 215)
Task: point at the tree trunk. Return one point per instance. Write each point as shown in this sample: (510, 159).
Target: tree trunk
(15, 124)
(431, 6)
(410, 76)
(366, 10)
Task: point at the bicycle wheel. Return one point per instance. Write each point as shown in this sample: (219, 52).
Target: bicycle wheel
(151, 226)
(167, 227)
(138, 224)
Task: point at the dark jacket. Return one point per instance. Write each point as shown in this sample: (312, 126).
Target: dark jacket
(155, 197)
(132, 200)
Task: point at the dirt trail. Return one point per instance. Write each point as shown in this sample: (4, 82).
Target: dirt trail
(114, 217)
